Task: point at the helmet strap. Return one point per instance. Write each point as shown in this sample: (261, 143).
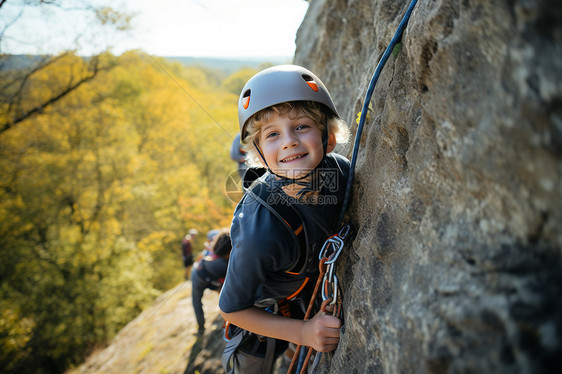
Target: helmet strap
(325, 137)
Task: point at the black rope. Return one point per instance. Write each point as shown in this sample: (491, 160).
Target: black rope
(395, 39)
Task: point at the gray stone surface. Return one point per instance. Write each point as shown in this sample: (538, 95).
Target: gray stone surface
(457, 202)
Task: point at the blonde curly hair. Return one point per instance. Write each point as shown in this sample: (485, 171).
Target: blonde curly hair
(315, 111)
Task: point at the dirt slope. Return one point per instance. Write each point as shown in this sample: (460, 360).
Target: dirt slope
(161, 340)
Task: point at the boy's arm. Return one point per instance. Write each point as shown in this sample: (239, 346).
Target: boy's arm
(322, 332)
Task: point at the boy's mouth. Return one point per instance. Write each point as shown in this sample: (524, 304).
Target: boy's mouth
(294, 157)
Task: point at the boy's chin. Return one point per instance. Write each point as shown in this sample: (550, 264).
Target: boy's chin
(293, 174)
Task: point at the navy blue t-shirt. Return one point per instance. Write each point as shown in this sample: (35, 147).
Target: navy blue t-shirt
(263, 249)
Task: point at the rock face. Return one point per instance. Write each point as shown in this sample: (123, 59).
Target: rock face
(457, 201)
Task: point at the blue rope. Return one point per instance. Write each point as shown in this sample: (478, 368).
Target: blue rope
(395, 39)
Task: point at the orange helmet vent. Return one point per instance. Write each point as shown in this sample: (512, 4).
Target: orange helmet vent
(313, 85)
(246, 102)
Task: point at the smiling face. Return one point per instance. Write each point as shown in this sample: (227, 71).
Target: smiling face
(291, 144)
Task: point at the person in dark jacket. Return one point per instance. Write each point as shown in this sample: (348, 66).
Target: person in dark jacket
(237, 154)
(187, 251)
(209, 273)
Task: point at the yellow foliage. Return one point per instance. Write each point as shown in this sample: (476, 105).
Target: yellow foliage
(107, 15)
(19, 332)
(98, 190)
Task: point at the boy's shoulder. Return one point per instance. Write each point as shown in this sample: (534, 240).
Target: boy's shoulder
(257, 233)
(254, 216)
(335, 173)
(337, 160)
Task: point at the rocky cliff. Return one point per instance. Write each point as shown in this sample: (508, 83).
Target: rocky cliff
(161, 340)
(457, 203)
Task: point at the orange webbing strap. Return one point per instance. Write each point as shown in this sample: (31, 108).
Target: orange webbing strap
(226, 328)
(297, 292)
(284, 308)
(322, 268)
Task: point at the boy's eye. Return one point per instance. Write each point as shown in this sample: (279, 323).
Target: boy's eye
(303, 126)
(271, 135)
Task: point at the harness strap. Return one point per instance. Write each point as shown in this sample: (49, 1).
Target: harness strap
(297, 292)
(289, 217)
(239, 339)
(269, 356)
(229, 351)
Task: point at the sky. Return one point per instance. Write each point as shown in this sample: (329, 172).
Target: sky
(199, 28)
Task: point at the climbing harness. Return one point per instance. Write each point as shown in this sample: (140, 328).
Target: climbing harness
(327, 279)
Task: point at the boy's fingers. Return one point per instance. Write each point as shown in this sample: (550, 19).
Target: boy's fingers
(332, 340)
(328, 347)
(333, 334)
(332, 322)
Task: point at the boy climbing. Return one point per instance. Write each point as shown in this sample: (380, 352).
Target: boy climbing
(289, 125)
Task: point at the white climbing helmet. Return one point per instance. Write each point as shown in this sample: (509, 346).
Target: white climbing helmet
(279, 84)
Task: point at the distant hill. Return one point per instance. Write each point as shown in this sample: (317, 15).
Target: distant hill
(13, 62)
(229, 65)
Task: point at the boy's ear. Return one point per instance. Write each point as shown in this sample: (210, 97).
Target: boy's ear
(331, 143)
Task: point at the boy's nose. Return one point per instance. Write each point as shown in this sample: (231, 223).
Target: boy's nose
(289, 140)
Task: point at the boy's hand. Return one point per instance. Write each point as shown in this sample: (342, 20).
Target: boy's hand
(322, 332)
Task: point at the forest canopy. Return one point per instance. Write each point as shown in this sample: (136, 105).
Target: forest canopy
(96, 191)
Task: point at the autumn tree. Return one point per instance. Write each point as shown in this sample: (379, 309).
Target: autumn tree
(105, 162)
(96, 192)
(17, 101)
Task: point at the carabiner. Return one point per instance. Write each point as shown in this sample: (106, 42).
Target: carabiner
(335, 291)
(344, 231)
(336, 253)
